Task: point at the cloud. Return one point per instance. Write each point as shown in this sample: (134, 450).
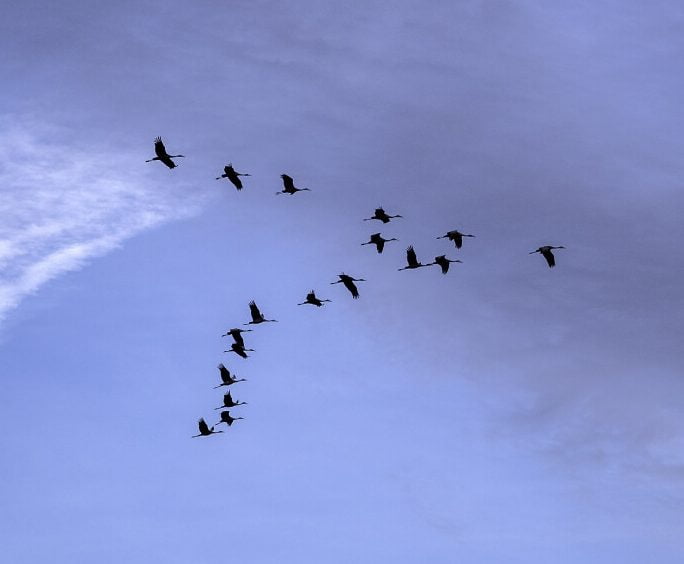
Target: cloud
(64, 205)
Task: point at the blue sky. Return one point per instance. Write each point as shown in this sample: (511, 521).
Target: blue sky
(504, 412)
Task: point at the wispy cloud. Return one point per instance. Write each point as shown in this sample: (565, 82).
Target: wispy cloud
(63, 205)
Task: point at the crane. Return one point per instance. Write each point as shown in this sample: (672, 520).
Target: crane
(443, 262)
(234, 176)
(348, 282)
(228, 401)
(162, 155)
(237, 335)
(289, 187)
(227, 379)
(545, 251)
(227, 418)
(313, 300)
(257, 316)
(204, 430)
(382, 216)
(238, 350)
(411, 260)
(379, 242)
(455, 236)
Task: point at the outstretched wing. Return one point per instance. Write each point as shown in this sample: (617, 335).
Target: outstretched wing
(237, 337)
(203, 427)
(288, 183)
(254, 310)
(225, 373)
(411, 257)
(159, 149)
(349, 284)
(550, 259)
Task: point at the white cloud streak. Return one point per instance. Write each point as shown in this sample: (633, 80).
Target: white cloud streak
(63, 205)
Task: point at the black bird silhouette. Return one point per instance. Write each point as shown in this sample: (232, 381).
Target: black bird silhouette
(412, 261)
(204, 430)
(382, 216)
(348, 282)
(162, 155)
(234, 176)
(455, 236)
(228, 401)
(226, 417)
(442, 261)
(227, 379)
(289, 187)
(257, 316)
(379, 242)
(238, 350)
(313, 300)
(236, 334)
(547, 254)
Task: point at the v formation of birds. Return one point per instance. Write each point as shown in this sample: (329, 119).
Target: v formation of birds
(238, 345)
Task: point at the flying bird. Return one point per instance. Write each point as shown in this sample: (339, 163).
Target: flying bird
(228, 401)
(455, 236)
(227, 418)
(411, 260)
(442, 261)
(348, 282)
(234, 176)
(204, 430)
(162, 155)
(547, 254)
(238, 350)
(382, 216)
(379, 242)
(227, 379)
(313, 300)
(289, 187)
(257, 316)
(236, 334)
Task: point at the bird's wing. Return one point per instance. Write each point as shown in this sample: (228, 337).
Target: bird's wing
(225, 373)
(203, 427)
(254, 310)
(159, 148)
(237, 337)
(411, 257)
(380, 245)
(550, 259)
(458, 239)
(352, 288)
(287, 182)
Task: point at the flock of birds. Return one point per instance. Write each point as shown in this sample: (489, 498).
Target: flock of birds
(238, 345)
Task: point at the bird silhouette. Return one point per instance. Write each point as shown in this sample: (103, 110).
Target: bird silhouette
(238, 350)
(257, 316)
(379, 242)
(162, 155)
(442, 261)
(455, 236)
(227, 418)
(289, 187)
(234, 176)
(382, 216)
(227, 379)
(411, 260)
(547, 254)
(204, 430)
(237, 335)
(228, 401)
(348, 282)
(313, 300)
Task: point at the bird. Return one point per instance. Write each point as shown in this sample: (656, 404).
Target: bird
(547, 254)
(379, 242)
(227, 379)
(412, 261)
(238, 350)
(348, 282)
(442, 261)
(313, 300)
(234, 176)
(236, 334)
(204, 430)
(228, 401)
(162, 155)
(257, 316)
(227, 418)
(382, 216)
(455, 236)
(289, 187)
